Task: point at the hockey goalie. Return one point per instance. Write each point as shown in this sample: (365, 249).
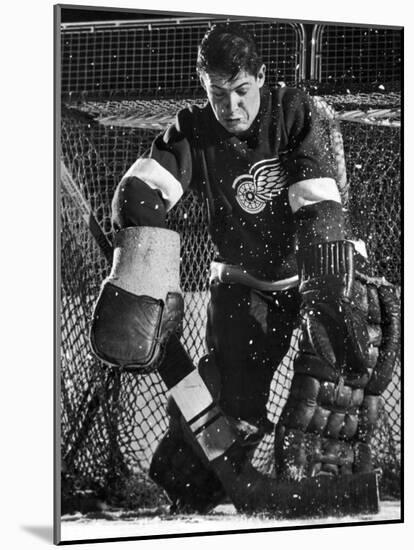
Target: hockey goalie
(260, 160)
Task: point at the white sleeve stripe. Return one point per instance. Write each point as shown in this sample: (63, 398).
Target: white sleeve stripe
(312, 191)
(157, 177)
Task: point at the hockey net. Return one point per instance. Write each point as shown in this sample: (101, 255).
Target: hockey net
(111, 421)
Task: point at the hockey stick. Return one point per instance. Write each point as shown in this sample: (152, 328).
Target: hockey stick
(86, 212)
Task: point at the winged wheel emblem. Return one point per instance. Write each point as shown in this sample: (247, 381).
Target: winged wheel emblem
(262, 184)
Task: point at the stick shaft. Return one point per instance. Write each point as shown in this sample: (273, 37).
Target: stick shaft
(85, 210)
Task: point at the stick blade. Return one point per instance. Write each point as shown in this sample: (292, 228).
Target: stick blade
(341, 496)
(315, 497)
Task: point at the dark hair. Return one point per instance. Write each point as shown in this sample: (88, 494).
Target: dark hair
(227, 49)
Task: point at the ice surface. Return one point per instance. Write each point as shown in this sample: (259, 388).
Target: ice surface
(117, 523)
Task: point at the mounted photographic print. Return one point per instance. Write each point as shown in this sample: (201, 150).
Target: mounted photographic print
(228, 247)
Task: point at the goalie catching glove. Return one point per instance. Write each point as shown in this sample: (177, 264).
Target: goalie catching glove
(347, 351)
(140, 304)
(348, 347)
(331, 314)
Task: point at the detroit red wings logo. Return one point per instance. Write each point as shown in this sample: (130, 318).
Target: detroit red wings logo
(261, 185)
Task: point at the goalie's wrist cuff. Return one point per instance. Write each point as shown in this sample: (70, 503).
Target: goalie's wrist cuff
(327, 269)
(324, 266)
(334, 258)
(320, 222)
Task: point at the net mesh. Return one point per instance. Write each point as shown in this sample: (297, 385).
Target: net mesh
(111, 422)
(160, 58)
(358, 56)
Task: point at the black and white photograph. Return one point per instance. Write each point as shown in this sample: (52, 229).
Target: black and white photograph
(229, 281)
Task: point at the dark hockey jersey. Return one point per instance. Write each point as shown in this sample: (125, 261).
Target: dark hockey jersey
(245, 178)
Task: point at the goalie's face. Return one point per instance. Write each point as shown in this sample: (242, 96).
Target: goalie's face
(235, 102)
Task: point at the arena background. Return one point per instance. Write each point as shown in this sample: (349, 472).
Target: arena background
(110, 423)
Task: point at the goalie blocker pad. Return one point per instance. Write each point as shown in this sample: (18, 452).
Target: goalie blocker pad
(140, 303)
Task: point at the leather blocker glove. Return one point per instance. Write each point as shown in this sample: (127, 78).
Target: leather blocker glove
(140, 304)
